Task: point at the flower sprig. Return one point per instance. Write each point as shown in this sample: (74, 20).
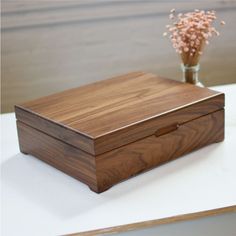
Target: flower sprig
(190, 32)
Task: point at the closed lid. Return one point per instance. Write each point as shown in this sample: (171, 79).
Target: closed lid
(111, 113)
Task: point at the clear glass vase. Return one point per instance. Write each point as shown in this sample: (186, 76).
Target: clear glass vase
(190, 74)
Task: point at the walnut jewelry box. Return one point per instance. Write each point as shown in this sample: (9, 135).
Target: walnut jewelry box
(109, 131)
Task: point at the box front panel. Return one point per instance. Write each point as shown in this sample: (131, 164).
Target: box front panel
(132, 159)
(62, 156)
(105, 170)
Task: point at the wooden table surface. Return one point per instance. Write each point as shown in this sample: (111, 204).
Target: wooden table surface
(40, 200)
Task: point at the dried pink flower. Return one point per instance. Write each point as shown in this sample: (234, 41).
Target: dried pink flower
(171, 16)
(186, 49)
(190, 32)
(165, 34)
(222, 22)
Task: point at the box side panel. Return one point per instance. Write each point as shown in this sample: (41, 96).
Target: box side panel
(62, 156)
(132, 159)
(56, 130)
(147, 128)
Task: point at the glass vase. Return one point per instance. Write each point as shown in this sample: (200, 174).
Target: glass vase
(190, 74)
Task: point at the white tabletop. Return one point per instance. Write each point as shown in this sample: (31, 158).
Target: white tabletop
(40, 200)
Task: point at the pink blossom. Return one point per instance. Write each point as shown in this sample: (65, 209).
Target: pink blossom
(191, 30)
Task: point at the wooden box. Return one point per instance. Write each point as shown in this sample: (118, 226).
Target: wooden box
(108, 131)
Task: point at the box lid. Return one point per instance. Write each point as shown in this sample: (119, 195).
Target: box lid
(111, 113)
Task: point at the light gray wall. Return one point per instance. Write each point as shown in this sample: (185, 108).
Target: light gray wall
(50, 46)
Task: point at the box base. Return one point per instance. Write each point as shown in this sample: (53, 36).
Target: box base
(105, 170)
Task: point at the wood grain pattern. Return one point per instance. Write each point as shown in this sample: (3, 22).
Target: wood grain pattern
(64, 157)
(56, 130)
(156, 222)
(101, 108)
(103, 171)
(108, 114)
(112, 130)
(122, 163)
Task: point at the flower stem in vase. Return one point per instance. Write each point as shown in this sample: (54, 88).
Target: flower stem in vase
(189, 33)
(190, 74)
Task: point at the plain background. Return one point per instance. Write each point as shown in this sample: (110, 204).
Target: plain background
(50, 46)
